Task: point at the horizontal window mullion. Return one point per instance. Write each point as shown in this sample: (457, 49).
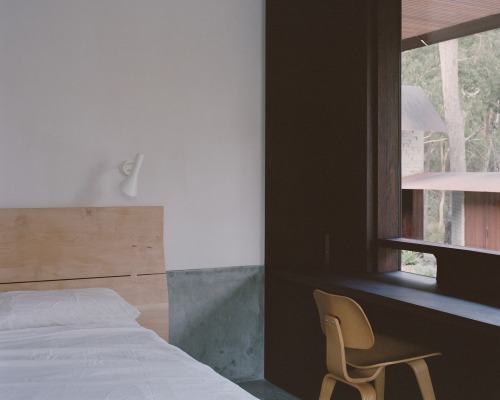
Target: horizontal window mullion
(429, 247)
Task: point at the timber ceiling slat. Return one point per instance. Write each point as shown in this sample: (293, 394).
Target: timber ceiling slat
(425, 16)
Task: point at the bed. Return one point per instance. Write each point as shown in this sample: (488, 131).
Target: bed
(84, 310)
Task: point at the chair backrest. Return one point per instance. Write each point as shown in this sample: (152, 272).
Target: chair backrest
(356, 329)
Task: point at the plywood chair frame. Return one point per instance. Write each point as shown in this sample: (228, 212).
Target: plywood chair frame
(355, 356)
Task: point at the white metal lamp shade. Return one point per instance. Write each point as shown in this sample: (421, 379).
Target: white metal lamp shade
(130, 183)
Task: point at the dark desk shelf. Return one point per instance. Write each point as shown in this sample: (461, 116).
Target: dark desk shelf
(411, 293)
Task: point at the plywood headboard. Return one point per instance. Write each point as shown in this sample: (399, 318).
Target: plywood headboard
(116, 247)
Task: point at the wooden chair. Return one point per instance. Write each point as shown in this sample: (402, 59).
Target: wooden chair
(355, 356)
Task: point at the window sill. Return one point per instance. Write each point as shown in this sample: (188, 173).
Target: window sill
(463, 272)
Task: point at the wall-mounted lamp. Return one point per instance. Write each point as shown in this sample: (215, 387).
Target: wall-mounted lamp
(131, 169)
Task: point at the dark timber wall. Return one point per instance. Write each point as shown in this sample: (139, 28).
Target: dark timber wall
(318, 181)
(316, 134)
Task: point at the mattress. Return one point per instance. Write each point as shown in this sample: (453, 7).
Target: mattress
(103, 361)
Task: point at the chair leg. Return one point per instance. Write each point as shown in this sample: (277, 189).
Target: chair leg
(327, 387)
(366, 390)
(423, 378)
(380, 384)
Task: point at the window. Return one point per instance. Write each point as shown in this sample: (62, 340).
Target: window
(462, 271)
(450, 160)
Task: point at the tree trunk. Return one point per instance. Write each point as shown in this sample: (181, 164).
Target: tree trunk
(455, 122)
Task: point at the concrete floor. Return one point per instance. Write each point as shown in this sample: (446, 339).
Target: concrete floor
(264, 390)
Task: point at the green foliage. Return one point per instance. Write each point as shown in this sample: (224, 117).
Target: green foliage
(479, 74)
(410, 257)
(479, 78)
(422, 67)
(426, 270)
(418, 263)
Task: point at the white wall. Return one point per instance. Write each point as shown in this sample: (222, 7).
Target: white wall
(85, 84)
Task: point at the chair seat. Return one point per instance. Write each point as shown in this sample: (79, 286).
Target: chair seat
(387, 350)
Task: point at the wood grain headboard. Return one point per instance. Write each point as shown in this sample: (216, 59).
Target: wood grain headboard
(116, 247)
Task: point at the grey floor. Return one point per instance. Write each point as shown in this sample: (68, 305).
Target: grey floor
(264, 390)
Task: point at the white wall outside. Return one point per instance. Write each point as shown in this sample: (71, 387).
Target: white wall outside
(412, 152)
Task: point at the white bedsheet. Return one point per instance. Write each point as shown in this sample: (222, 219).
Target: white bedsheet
(102, 362)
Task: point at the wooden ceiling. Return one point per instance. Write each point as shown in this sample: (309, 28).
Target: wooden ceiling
(420, 17)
